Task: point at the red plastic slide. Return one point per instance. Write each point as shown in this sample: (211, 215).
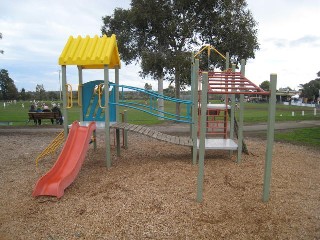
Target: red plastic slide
(69, 162)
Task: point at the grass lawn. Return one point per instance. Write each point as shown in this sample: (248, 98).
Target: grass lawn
(253, 113)
(258, 112)
(301, 136)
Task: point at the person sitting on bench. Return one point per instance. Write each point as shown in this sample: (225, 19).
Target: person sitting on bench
(33, 109)
(57, 109)
(46, 109)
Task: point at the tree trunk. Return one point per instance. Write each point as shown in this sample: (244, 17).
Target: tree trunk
(177, 94)
(160, 100)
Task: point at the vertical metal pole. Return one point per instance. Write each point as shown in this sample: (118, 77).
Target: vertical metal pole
(240, 129)
(117, 92)
(117, 109)
(107, 120)
(195, 73)
(226, 113)
(202, 137)
(64, 100)
(125, 138)
(60, 86)
(270, 138)
(80, 93)
(233, 106)
(118, 141)
(192, 94)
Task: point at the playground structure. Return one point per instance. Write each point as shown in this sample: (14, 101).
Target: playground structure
(68, 165)
(100, 105)
(228, 83)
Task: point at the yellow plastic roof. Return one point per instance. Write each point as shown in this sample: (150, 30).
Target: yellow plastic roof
(91, 53)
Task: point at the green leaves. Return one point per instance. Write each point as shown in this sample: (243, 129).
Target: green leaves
(8, 90)
(311, 90)
(158, 32)
(265, 85)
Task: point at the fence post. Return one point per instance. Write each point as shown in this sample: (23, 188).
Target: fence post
(314, 111)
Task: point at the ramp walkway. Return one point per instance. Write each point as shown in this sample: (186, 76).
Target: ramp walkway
(185, 141)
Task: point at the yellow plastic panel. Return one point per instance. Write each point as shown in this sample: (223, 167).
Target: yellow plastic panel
(91, 53)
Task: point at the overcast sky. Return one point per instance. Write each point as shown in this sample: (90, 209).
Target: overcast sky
(35, 32)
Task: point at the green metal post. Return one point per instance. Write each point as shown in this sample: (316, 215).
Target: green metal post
(117, 110)
(107, 120)
(192, 92)
(64, 100)
(125, 132)
(118, 141)
(202, 137)
(241, 116)
(80, 92)
(117, 92)
(194, 76)
(270, 138)
(232, 108)
(232, 115)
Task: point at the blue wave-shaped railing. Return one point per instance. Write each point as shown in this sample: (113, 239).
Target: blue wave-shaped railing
(151, 108)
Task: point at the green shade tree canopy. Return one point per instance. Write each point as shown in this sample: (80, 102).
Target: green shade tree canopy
(265, 85)
(8, 90)
(161, 34)
(311, 90)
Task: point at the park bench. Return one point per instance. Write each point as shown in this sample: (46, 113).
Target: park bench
(43, 115)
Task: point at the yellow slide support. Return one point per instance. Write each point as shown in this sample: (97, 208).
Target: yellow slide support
(52, 147)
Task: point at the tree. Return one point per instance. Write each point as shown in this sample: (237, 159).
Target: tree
(161, 34)
(229, 26)
(7, 87)
(169, 91)
(265, 85)
(52, 95)
(40, 92)
(148, 86)
(311, 89)
(23, 95)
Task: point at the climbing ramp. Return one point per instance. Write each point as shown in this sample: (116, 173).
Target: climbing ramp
(184, 141)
